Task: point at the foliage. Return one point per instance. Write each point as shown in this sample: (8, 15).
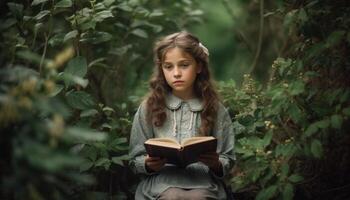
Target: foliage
(73, 74)
(290, 132)
(66, 112)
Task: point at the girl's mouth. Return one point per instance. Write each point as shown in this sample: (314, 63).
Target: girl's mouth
(178, 82)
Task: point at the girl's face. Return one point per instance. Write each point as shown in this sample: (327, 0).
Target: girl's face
(180, 70)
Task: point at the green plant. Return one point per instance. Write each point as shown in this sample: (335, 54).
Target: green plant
(289, 132)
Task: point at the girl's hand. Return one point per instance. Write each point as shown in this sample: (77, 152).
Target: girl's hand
(154, 163)
(212, 161)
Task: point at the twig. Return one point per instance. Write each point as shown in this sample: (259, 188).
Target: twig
(44, 54)
(238, 32)
(261, 30)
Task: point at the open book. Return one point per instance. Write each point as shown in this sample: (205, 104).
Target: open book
(180, 154)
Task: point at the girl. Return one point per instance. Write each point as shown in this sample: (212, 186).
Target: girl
(182, 103)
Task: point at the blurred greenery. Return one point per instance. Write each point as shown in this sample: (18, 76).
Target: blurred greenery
(73, 73)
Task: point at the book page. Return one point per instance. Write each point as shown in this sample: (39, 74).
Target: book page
(167, 142)
(194, 140)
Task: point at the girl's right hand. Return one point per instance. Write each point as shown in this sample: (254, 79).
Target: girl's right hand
(154, 164)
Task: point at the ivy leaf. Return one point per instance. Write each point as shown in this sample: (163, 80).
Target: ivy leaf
(316, 148)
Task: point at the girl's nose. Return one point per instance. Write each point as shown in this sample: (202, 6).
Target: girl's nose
(177, 72)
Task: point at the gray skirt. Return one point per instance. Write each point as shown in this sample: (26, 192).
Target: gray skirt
(194, 176)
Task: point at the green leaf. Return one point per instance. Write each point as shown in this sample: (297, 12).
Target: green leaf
(30, 56)
(70, 35)
(267, 139)
(119, 141)
(56, 39)
(107, 126)
(70, 79)
(88, 113)
(267, 193)
(334, 38)
(246, 120)
(86, 165)
(102, 162)
(195, 12)
(346, 111)
(285, 169)
(296, 87)
(295, 178)
(100, 16)
(95, 37)
(295, 112)
(302, 15)
(140, 33)
(77, 67)
(336, 121)
(57, 90)
(36, 2)
(125, 7)
(156, 13)
(64, 4)
(16, 9)
(41, 14)
(316, 148)
(323, 124)
(119, 159)
(80, 100)
(85, 134)
(288, 192)
(121, 50)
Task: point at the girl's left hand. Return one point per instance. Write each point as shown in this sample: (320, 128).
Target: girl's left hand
(212, 161)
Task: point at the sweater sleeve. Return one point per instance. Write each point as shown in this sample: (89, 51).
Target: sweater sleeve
(140, 132)
(223, 131)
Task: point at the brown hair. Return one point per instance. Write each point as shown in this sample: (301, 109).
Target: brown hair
(203, 86)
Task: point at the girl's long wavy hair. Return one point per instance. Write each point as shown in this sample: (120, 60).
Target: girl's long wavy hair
(203, 86)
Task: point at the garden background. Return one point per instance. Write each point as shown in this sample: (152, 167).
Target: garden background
(74, 71)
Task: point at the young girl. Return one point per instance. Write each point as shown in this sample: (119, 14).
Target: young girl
(182, 103)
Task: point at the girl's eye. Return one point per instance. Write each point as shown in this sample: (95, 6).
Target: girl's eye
(184, 65)
(167, 66)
